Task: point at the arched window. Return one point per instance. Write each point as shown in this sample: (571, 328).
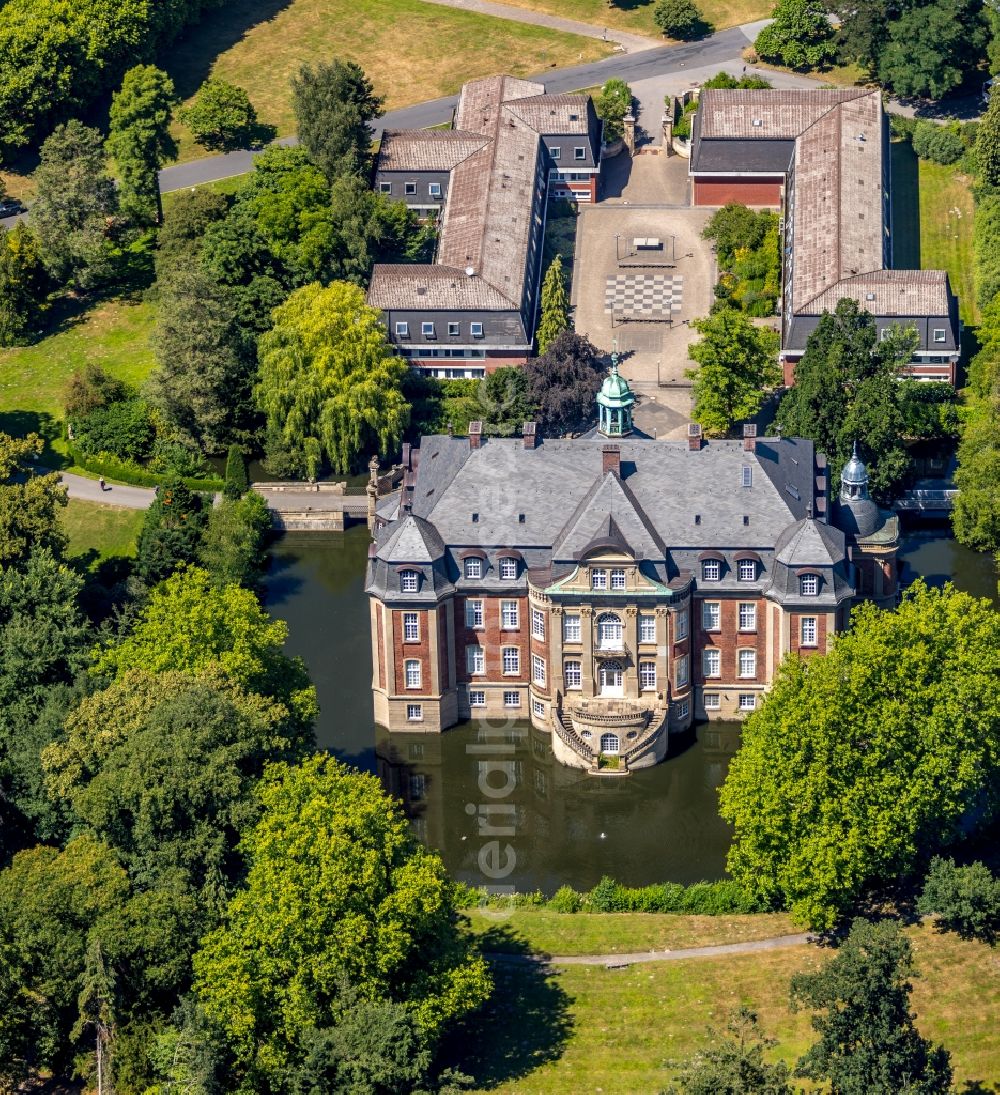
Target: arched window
(610, 743)
(609, 631)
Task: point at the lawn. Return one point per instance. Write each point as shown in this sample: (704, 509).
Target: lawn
(543, 931)
(411, 50)
(637, 15)
(98, 532)
(113, 333)
(947, 216)
(590, 1029)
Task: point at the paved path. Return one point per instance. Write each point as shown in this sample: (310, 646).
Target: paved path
(631, 43)
(755, 946)
(89, 490)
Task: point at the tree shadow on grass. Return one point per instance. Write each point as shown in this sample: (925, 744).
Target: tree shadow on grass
(189, 60)
(524, 1025)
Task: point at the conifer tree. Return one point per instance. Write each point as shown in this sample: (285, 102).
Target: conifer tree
(555, 306)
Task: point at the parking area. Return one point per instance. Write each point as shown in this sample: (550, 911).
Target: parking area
(643, 272)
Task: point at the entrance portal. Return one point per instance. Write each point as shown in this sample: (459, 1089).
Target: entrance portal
(611, 679)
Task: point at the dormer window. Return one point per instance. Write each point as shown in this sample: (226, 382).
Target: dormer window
(598, 578)
(473, 568)
(747, 571)
(809, 585)
(618, 579)
(711, 570)
(508, 568)
(402, 329)
(409, 581)
(427, 329)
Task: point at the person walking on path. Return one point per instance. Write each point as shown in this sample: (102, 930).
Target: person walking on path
(101, 483)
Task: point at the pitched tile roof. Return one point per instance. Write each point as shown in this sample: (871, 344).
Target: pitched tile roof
(426, 149)
(891, 293)
(553, 113)
(782, 115)
(428, 286)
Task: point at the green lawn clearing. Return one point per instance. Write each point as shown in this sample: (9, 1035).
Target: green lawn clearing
(112, 333)
(98, 532)
(543, 931)
(411, 50)
(637, 15)
(591, 1029)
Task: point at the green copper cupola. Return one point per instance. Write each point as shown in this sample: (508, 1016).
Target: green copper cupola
(615, 401)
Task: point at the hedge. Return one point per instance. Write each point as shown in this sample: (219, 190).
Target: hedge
(111, 468)
(706, 898)
(987, 248)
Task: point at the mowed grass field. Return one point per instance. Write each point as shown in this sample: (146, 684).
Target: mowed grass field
(97, 532)
(637, 15)
(112, 333)
(411, 50)
(580, 1029)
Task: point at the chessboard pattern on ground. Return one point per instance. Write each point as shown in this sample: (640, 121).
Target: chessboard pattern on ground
(644, 294)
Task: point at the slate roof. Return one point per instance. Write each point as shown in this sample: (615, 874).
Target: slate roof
(412, 540)
(426, 149)
(809, 542)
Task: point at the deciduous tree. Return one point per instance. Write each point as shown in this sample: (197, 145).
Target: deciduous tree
(555, 306)
(24, 286)
(29, 503)
(988, 142)
(335, 105)
(799, 35)
(338, 891)
(932, 46)
(75, 202)
(864, 757)
(232, 548)
(612, 103)
(869, 1043)
(221, 118)
(737, 364)
(328, 383)
(964, 900)
(139, 138)
(681, 19)
(563, 383)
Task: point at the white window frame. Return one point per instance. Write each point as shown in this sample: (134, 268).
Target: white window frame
(409, 189)
(476, 330)
(512, 699)
(473, 568)
(747, 570)
(402, 329)
(454, 329)
(511, 661)
(385, 187)
(711, 570)
(434, 189)
(747, 701)
(573, 675)
(682, 670)
(813, 626)
(427, 329)
(712, 701)
(556, 152)
(477, 697)
(510, 617)
(680, 626)
(647, 628)
(579, 152)
(412, 673)
(508, 568)
(711, 663)
(572, 628)
(808, 585)
(599, 578)
(474, 613)
(618, 578)
(537, 670)
(538, 709)
(409, 581)
(411, 627)
(683, 709)
(647, 676)
(711, 615)
(746, 664)
(537, 623)
(414, 712)
(475, 660)
(748, 616)
(940, 334)
(747, 479)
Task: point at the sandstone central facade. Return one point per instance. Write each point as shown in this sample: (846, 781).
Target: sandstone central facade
(611, 593)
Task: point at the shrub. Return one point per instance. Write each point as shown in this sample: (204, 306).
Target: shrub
(127, 471)
(799, 35)
(90, 388)
(123, 429)
(730, 83)
(682, 126)
(565, 900)
(706, 898)
(902, 127)
(172, 456)
(966, 900)
(987, 248)
(938, 143)
(612, 104)
(680, 19)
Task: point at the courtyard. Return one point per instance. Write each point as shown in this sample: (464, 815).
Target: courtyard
(642, 274)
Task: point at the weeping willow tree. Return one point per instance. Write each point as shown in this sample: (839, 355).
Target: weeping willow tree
(329, 385)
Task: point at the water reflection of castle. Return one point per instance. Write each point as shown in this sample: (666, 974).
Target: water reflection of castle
(465, 789)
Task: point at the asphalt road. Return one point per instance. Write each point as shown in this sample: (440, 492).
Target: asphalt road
(717, 49)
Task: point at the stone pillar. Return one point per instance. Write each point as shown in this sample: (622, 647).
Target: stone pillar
(668, 134)
(371, 489)
(587, 682)
(629, 135)
(554, 637)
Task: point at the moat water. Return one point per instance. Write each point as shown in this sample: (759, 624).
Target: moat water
(660, 824)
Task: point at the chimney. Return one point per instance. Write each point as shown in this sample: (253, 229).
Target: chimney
(475, 435)
(611, 459)
(406, 454)
(750, 437)
(530, 434)
(694, 436)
